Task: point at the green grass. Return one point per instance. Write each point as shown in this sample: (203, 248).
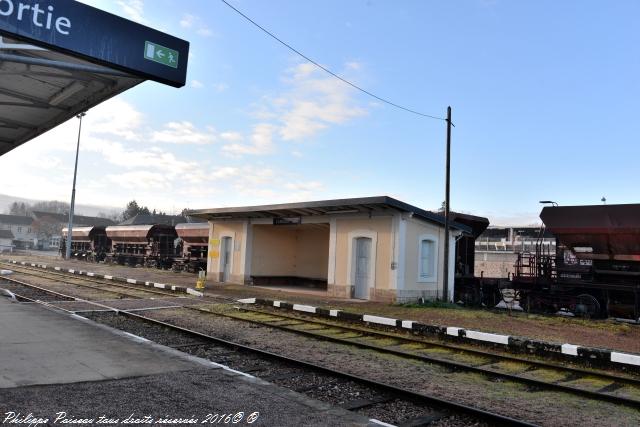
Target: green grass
(430, 304)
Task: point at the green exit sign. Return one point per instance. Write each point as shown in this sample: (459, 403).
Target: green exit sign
(163, 55)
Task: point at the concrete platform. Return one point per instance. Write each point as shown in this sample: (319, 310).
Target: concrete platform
(55, 365)
(40, 346)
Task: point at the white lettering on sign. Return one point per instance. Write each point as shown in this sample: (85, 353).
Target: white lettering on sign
(28, 12)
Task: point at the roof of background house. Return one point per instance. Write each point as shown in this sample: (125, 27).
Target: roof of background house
(6, 234)
(325, 207)
(16, 219)
(77, 219)
(150, 219)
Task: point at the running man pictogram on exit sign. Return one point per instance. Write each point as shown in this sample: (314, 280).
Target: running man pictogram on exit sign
(163, 55)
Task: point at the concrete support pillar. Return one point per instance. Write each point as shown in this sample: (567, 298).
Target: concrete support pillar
(247, 252)
(331, 273)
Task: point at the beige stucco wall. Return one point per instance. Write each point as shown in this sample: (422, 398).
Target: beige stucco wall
(312, 252)
(415, 229)
(290, 251)
(413, 287)
(216, 232)
(274, 251)
(381, 227)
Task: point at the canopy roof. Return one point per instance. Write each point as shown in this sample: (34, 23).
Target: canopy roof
(364, 205)
(40, 89)
(62, 58)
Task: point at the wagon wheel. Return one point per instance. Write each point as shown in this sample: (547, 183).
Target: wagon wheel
(586, 306)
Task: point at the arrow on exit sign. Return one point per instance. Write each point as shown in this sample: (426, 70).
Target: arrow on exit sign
(161, 54)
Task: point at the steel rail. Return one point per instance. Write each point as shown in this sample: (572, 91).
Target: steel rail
(496, 419)
(89, 279)
(448, 363)
(413, 339)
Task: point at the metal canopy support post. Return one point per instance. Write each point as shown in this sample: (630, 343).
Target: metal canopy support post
(73, 191)
(445, 273)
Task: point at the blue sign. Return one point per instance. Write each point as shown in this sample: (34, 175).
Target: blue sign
(97, 36)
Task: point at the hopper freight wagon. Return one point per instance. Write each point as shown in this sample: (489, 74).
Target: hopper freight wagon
(145, 245)
(595, 271)
(87, 243)
(194, 247)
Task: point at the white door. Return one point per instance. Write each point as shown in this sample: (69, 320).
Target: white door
(363, 264)
(225, 261)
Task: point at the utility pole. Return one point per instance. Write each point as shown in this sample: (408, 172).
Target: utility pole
(445, 273)
(73, 191)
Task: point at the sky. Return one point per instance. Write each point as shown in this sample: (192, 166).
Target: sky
(544, 96)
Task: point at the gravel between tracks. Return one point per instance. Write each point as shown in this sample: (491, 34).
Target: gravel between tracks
(542, 407)
(333, 390)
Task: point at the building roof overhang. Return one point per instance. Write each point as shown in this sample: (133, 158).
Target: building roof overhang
(59, 62)
(40, 89)
(336, 207)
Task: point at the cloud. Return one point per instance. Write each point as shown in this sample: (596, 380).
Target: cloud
(182, 133)
(190, 21)
(220, 87)
(115, 117)
(197, 84)
(133, 9)
(316, 102)
(187, 20)
(261, 142)
(205, 32)
(232, 136)
(313, 102)
(136, 180)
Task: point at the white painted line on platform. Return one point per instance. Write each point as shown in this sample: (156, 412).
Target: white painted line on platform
(630, 359)
(380, 320)
(108, 277)
(136, 337)
(226, 368)
(276, 303)
(159, 285)
(333, 313)
(380, 423)
(305, 308)
(91, 274)
(133, 281)
(407, 324)
(247, 300)
(484, 336)
(71, 271)
(570, 349)
(453, 331)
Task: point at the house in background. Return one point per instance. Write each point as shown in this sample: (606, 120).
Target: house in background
(6, 241)
(21, 227)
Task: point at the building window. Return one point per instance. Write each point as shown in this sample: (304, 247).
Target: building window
(29, 230)
(427, 258)
(19, 229)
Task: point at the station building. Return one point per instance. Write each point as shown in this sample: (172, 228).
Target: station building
(375, 248)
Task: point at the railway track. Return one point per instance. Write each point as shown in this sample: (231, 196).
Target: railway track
(567, 379)
(131, 291)
(538, 375)
(352, 392)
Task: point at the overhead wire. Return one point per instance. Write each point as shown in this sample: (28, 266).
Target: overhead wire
(325, 69)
